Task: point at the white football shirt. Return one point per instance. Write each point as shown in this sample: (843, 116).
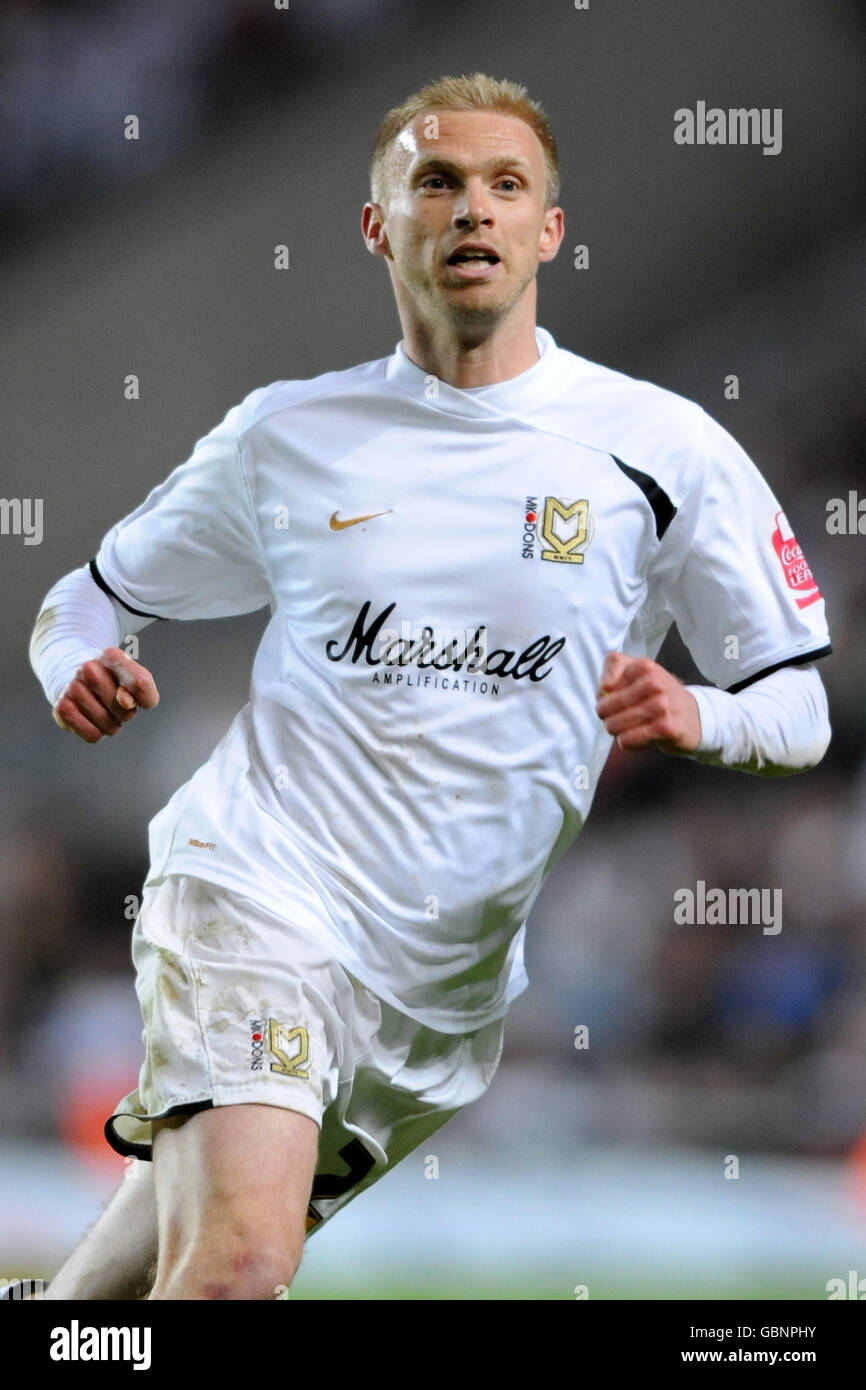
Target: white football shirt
(446, 570)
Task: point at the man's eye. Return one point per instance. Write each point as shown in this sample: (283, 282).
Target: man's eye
(433, 178)
(513, 182)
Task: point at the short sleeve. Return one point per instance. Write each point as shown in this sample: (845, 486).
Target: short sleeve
(192, 549)
(741, 591)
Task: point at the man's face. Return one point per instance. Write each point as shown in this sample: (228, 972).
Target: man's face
(458, 177)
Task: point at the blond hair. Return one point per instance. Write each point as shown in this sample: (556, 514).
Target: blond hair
(477, 92)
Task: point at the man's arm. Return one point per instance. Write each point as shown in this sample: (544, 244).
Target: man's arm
(776, 726)
(192, 549)
(93, 687)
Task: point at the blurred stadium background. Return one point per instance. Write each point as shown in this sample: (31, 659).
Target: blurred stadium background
(601, 1167)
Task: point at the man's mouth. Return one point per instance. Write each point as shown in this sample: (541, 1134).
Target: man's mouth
(472, 264)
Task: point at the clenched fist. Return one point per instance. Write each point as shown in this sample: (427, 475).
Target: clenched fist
(104, 694)
(644, 706)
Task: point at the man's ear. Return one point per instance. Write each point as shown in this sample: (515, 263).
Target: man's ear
(551, 236)
(373, 229)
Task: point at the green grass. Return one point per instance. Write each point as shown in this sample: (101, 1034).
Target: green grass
(306, 1290)
(544, 1289)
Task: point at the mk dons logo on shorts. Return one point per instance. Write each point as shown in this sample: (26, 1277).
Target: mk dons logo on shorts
(564, 527)
(289, 1048)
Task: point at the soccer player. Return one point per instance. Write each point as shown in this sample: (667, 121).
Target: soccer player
(471, 551)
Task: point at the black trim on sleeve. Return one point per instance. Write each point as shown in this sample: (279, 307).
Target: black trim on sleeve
(106, 589)
(128, 1148)
(664, 510)
(801, 660)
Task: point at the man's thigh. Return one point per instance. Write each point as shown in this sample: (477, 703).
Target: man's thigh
(232, 1188)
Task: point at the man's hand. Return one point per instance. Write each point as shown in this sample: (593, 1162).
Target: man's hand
(104, 695)
(644, 706)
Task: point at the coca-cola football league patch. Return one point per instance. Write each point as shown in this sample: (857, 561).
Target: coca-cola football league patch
(795, 566)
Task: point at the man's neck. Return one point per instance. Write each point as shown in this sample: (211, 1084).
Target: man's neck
(468, 361)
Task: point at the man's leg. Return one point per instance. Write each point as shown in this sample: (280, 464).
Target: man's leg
(117, 1257)
(232, 1188)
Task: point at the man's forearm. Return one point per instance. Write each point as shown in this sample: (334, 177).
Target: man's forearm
(778, 726)
(76, 621)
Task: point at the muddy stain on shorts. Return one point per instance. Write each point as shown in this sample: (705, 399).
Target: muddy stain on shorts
(171, 979)
(158, 1056)
(231, 934)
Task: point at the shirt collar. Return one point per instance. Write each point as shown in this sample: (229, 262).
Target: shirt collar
(517, 393)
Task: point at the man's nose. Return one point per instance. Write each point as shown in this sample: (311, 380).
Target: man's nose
(473, 208)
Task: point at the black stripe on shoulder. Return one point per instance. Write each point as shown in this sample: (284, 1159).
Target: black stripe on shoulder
(664, 510)
(106, 589)
(801, 660)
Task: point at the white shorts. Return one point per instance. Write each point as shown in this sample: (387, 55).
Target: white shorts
(240, 1006)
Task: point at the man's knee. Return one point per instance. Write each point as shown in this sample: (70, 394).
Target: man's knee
(229, 1265)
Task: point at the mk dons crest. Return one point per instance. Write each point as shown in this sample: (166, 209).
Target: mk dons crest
(566, 529)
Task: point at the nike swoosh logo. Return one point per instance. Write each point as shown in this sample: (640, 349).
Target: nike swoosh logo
(336, 525)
